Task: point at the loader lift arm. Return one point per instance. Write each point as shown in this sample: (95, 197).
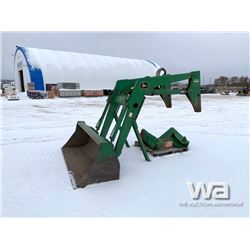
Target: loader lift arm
(129, 96)
(91, 157)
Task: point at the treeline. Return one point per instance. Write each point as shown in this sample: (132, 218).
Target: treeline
(232, 81)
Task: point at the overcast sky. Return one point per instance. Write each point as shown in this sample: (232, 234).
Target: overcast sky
(214, 54)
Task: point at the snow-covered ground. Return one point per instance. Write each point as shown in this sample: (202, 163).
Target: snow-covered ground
(36, 182)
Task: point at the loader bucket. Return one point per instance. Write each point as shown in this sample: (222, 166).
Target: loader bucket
(89, 157)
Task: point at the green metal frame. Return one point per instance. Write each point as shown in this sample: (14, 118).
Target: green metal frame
(171, 134)
(124, 104)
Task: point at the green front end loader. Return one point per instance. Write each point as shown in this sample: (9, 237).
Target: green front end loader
(91, 157)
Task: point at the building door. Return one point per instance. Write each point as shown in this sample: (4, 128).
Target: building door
(21, 80)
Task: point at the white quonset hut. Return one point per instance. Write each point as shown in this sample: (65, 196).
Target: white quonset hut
(43, 66)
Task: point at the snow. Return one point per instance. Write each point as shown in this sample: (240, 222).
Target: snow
(36, 182)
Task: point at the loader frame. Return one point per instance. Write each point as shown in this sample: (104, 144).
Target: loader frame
(124, 104)
(91, 157)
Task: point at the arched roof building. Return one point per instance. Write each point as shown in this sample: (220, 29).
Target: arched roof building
(43, 66)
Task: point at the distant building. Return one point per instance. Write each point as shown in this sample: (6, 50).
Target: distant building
(42, 66)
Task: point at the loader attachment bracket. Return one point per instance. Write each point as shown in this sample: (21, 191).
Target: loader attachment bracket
(169, 142)
(193, 91)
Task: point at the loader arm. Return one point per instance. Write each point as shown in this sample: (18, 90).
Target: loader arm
(130, 95)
